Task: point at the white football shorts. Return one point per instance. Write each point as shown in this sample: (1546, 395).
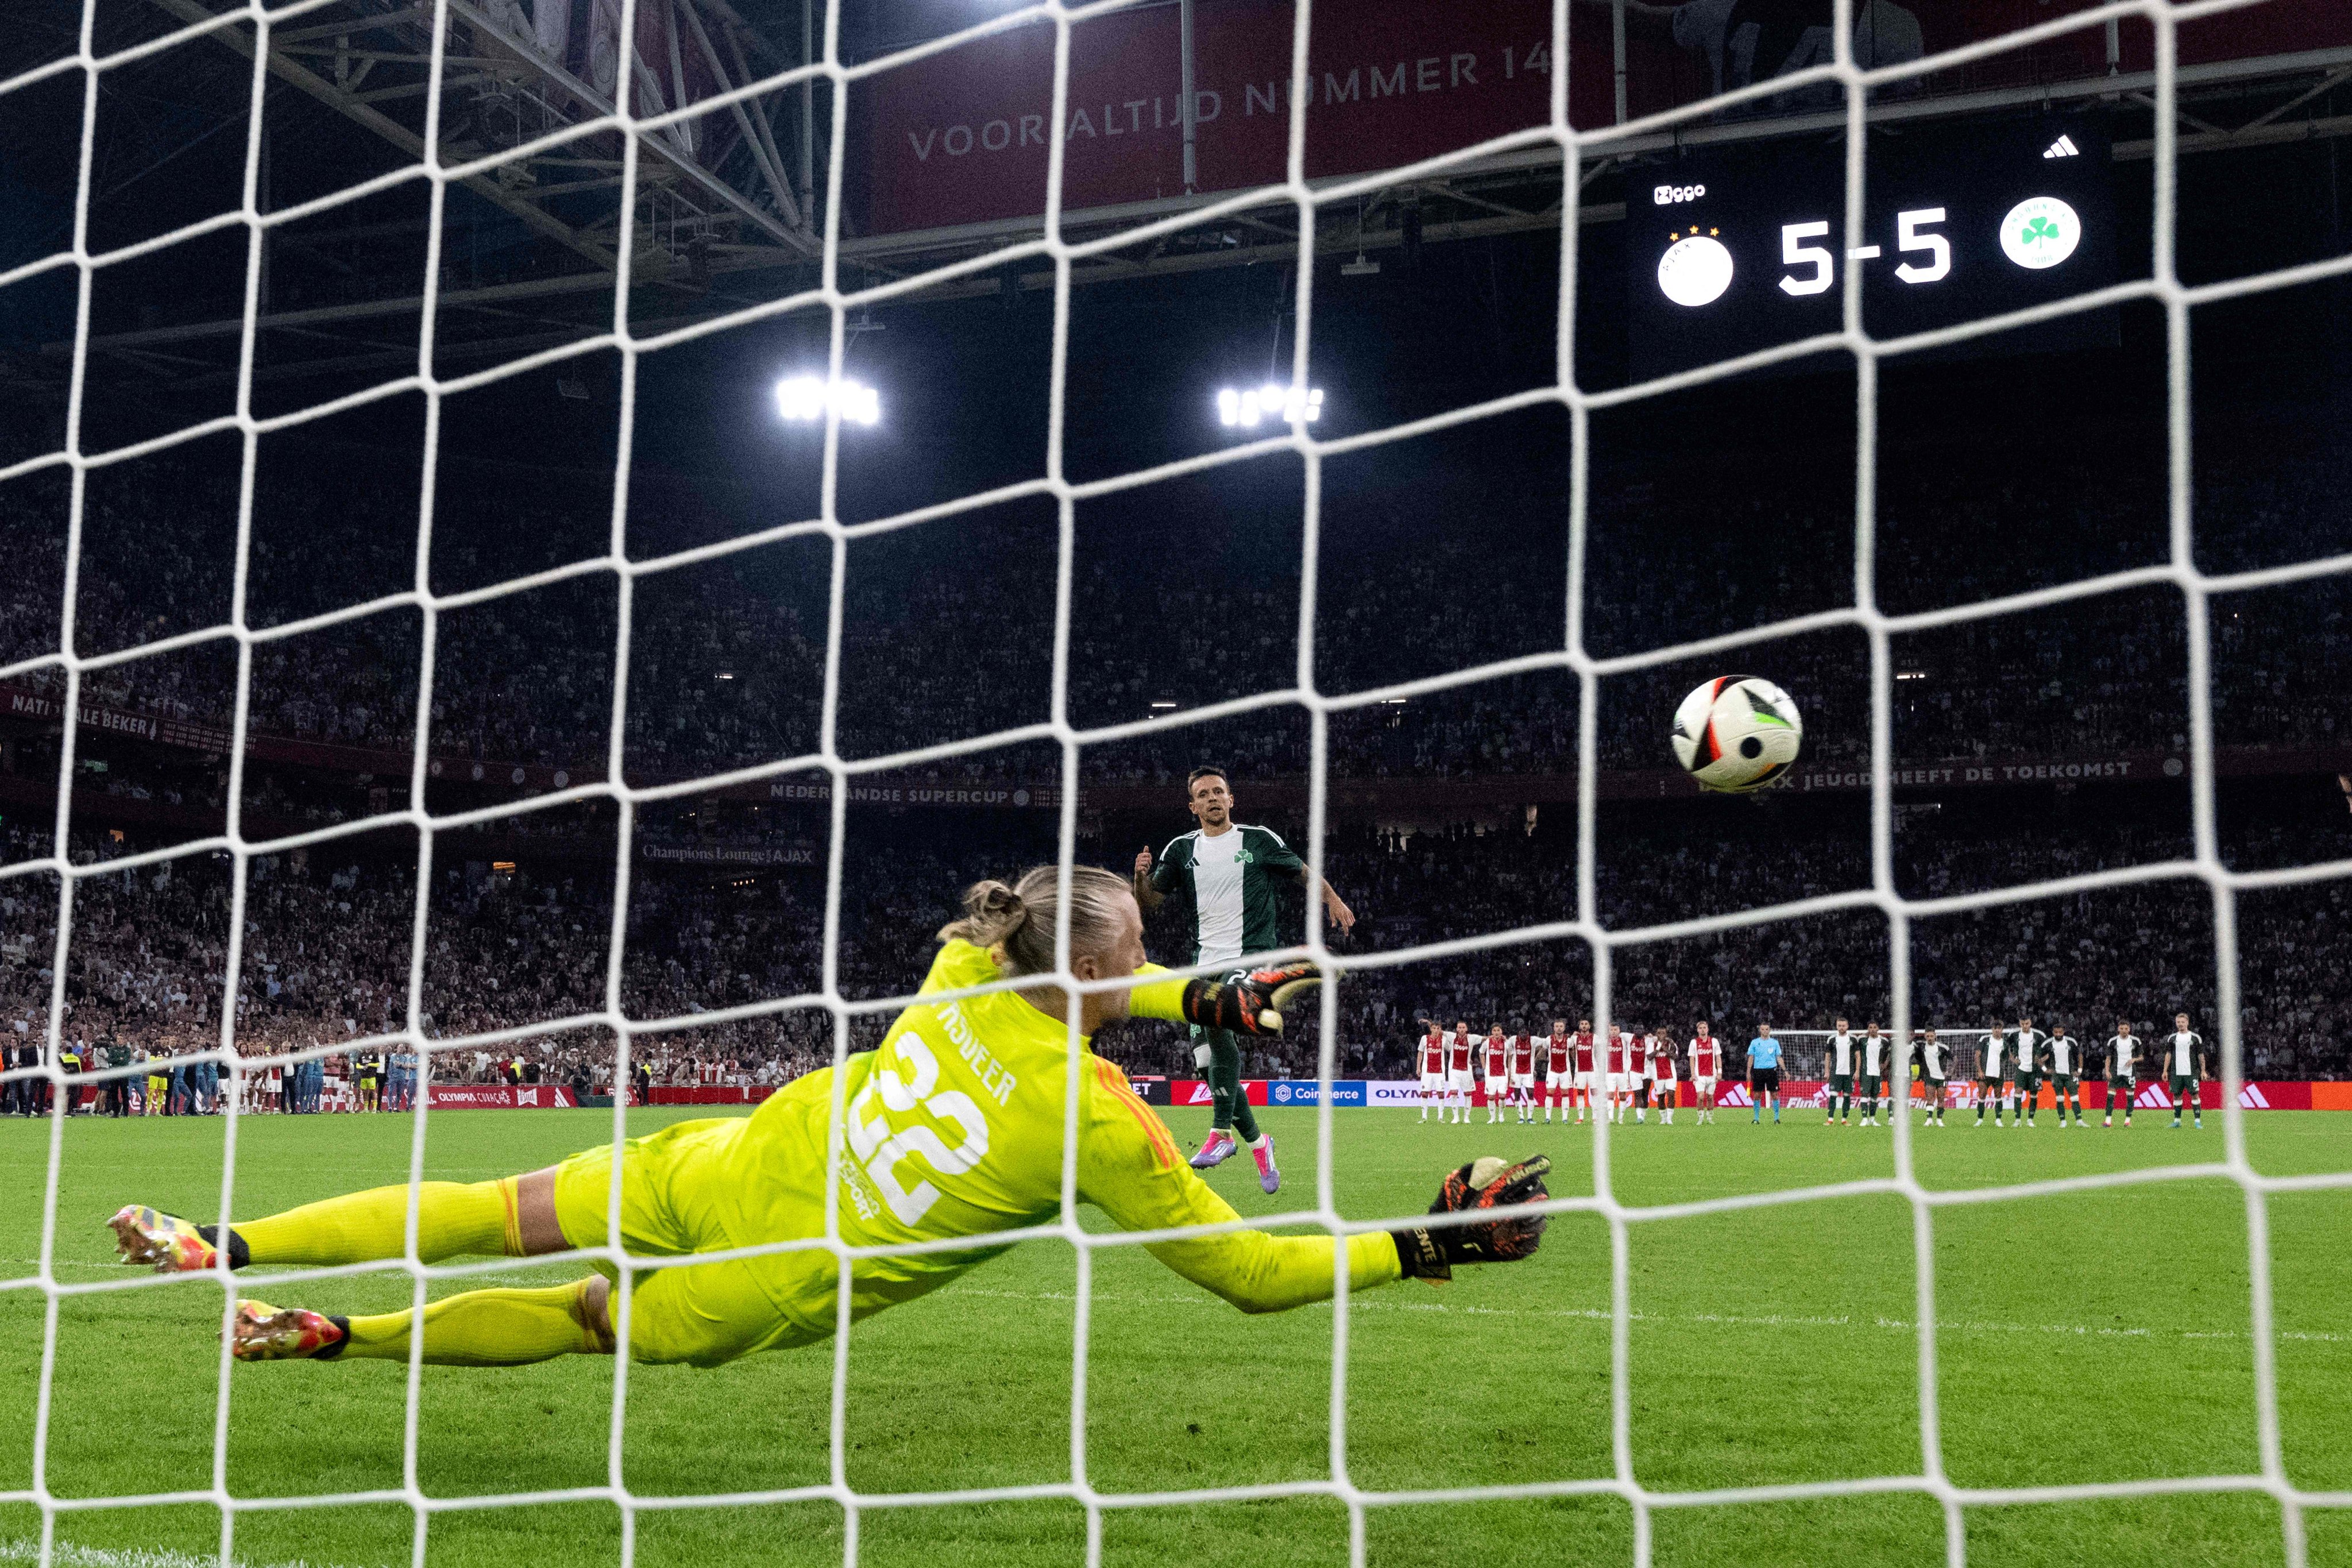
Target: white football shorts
(1458, 1080)
(1431, 1082)
(1559, 1079)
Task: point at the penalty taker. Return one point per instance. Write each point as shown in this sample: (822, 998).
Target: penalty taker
(954, 1130)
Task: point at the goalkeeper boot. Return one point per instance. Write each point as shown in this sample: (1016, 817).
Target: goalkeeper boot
(1215, 1152)
(263, 1332)
(163, 1242)
(1269, 1180)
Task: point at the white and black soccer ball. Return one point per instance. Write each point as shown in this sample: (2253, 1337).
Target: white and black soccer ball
(1737, 733)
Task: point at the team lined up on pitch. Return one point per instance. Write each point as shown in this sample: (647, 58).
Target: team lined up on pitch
(1636, 1070)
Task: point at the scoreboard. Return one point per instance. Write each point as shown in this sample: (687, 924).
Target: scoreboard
(1743, 250)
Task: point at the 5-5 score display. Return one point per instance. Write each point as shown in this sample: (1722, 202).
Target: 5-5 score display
(1742, 250)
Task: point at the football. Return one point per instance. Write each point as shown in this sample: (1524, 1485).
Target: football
(1736, 732)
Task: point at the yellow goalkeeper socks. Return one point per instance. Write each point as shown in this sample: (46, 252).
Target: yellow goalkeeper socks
(452, 1219)
(487, 1328)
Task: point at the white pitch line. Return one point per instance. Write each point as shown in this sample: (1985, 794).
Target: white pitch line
(1766, 1320)
(1598, 1315)
(67, 1555)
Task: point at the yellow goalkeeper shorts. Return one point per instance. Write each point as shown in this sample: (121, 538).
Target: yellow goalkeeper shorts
(704, 1313)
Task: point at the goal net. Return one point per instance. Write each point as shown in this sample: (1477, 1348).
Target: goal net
(1323, 205)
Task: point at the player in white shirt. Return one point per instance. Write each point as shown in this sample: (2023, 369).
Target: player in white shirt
(1560, 1068)
(1432, 1070)
(1498, 1049)
(1625, 1073)
(1706, 1068)
(1522, 1059)
(1934, 1069)
(2123, 1072)
(2025, 1043)
(1664, 1088)
(1459, 1046)
(2061, 1059)
(1877, 1062)
(1989, 1078)
(1837, 1065)
(2187, 1063)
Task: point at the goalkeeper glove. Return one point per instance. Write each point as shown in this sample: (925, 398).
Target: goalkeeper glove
(1431, 1252)
(1249, 1001)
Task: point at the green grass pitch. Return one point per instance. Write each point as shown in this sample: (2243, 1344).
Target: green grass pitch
(2092, 1337)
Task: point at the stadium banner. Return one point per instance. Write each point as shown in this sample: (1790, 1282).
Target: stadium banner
(1403, 1093)
(1308, 1092)
(1018, 798)
(786, 856)
(1150, 1088)
(498, 1096)
(961, 137)
(1195, 1091)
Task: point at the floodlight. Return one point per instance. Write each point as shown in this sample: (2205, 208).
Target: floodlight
(1245, 409)
(804, 399)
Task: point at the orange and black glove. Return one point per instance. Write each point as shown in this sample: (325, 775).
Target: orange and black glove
(1249, 1001)
(1430, 1252)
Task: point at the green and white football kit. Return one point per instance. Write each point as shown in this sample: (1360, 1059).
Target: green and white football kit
(1229, 880)
(2063, 1055)
(2025, 1068)
(2184, 1064)
(1837, 1098)
(2123, 1076)
(1877, 1052)
(1988, 1076)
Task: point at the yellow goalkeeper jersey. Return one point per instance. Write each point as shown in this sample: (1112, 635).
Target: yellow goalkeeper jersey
(955, 1129)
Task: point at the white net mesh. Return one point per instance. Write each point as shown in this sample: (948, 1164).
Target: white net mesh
(2163, 287)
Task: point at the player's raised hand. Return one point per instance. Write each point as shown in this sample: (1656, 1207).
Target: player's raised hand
(1249, 1001)
(1431, 1252)
(1342, 915)
(1143, 861)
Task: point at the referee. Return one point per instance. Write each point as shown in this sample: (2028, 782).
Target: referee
(1763, 1074)
(1226, 868)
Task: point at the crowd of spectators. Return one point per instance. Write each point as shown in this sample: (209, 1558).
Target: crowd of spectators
(947, 633)
(946, 636)
(326, 956)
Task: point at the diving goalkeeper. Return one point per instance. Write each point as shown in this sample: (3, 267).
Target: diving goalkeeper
(954, 1130)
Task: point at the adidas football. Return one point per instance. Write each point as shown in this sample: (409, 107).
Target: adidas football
(1736, 732)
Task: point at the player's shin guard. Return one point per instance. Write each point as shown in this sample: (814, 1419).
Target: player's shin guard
(489, 1327)
(452, 1219)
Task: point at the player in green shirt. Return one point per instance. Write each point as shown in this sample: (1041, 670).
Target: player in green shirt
(1225, 871)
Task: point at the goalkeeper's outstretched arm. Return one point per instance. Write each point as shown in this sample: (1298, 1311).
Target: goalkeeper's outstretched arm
(1129, 1168)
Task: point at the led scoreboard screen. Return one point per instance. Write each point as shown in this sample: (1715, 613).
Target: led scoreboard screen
(1735, 251)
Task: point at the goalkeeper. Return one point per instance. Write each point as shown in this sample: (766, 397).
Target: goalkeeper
(954, 1131)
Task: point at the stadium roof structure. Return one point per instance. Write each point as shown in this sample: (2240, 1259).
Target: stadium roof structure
(728, 212)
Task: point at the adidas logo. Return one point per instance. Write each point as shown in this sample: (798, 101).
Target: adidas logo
(2063, 148)
(2253, 1098)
